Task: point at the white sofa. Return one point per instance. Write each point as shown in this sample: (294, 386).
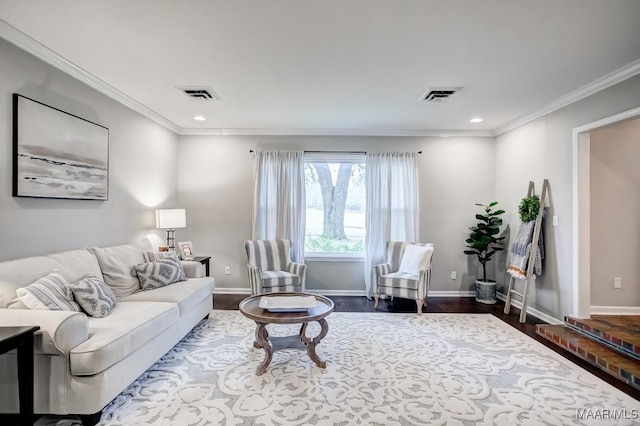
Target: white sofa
(81, 363)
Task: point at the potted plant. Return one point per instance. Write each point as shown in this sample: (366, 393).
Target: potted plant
(484, 242)
(529, 208)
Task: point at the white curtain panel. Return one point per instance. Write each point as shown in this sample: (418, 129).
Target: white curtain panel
(392, 205)
(279, 199)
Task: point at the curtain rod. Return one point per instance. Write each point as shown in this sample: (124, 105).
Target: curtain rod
(334, 152)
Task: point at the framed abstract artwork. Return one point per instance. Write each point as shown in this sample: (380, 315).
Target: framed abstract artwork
(57, 154)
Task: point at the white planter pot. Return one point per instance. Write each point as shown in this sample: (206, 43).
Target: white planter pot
(486, 292)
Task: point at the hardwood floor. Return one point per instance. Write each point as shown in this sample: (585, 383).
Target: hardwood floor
(447, 305)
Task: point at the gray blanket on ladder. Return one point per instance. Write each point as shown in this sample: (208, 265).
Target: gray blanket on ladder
(520, 250)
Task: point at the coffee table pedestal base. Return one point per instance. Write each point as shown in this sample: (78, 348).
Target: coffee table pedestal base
(300, 341)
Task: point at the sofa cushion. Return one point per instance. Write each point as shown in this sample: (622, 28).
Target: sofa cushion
(50, 292)
(93, 295)
(159, 273)
(129, 327)
(279, 279)
(399, 279)
(116, 263)
(14, 274)
(186, 294)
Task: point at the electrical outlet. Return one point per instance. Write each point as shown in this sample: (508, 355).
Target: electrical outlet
(617, 282)
(227, 270)
(453, 275)
(555, 220)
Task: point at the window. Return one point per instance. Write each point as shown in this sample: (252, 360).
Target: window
(335, 204)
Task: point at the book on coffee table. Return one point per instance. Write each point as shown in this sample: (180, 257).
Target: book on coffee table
(287, 303)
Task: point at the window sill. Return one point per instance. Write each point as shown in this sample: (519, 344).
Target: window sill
(334, 257)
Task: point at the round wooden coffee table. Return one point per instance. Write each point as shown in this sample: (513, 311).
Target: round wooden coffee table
(250, 308)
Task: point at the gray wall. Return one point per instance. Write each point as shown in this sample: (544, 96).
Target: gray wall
(142, 167)
(615, 214)
(543, 149)
(216, 187)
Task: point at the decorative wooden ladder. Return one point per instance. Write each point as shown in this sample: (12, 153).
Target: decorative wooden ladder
(530, 276)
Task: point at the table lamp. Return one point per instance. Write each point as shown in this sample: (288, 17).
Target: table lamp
(170, 219)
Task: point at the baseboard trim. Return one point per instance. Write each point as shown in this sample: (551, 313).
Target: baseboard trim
(615, 310)
(335, 292)
(446, 293)
(328, 292)
(231, 290)
(531, 311)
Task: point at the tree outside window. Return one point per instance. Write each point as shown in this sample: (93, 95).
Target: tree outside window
(335, 205)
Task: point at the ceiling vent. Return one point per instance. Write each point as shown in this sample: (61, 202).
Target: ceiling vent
(200, 93)
(440, 94)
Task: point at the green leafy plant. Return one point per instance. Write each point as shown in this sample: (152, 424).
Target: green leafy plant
(529, 208)
(483, 240)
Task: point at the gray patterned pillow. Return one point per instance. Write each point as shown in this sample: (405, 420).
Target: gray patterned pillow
(94, 296)
(159, 273)
(49, 292)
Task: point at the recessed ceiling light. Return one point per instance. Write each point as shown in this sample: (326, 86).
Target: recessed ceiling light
(476, 120)
(199, 118)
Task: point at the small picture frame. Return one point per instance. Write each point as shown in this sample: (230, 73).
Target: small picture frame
(185, 249)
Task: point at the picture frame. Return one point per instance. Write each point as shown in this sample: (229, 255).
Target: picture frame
(57, 154)
(185, 249)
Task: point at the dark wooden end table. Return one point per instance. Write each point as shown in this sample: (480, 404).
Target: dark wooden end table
(205, 260)
(250, 308)
(21, 339)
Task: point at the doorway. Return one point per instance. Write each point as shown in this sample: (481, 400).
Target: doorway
(582, 297)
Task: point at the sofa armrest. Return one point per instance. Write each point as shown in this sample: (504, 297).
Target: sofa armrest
(60, 331)
(192, 268)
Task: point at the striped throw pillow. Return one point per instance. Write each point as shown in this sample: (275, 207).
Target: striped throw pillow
(49, 292)
(159, 273)
(150, 256)
(94, 296)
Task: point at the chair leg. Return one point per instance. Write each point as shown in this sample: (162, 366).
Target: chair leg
(376, 298)
(419, 303)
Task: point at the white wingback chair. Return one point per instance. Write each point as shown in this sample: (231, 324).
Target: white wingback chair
(407, 273)
(270, 267)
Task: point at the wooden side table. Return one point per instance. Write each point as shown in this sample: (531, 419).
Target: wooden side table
(21, 339)
(205, 260)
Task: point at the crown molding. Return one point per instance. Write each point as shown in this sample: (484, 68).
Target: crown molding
(336, 132)
(602, 83)
(28, 44)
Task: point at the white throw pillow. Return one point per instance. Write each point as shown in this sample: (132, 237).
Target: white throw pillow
(415, 259)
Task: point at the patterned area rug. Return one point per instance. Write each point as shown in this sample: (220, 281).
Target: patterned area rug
(382, 369)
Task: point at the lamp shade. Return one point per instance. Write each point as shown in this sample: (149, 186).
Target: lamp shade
(171, 218)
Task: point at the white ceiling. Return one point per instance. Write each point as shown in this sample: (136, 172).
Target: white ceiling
(335, 66)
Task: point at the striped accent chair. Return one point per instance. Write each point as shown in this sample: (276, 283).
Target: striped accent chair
(270, 267)
(392, 282)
